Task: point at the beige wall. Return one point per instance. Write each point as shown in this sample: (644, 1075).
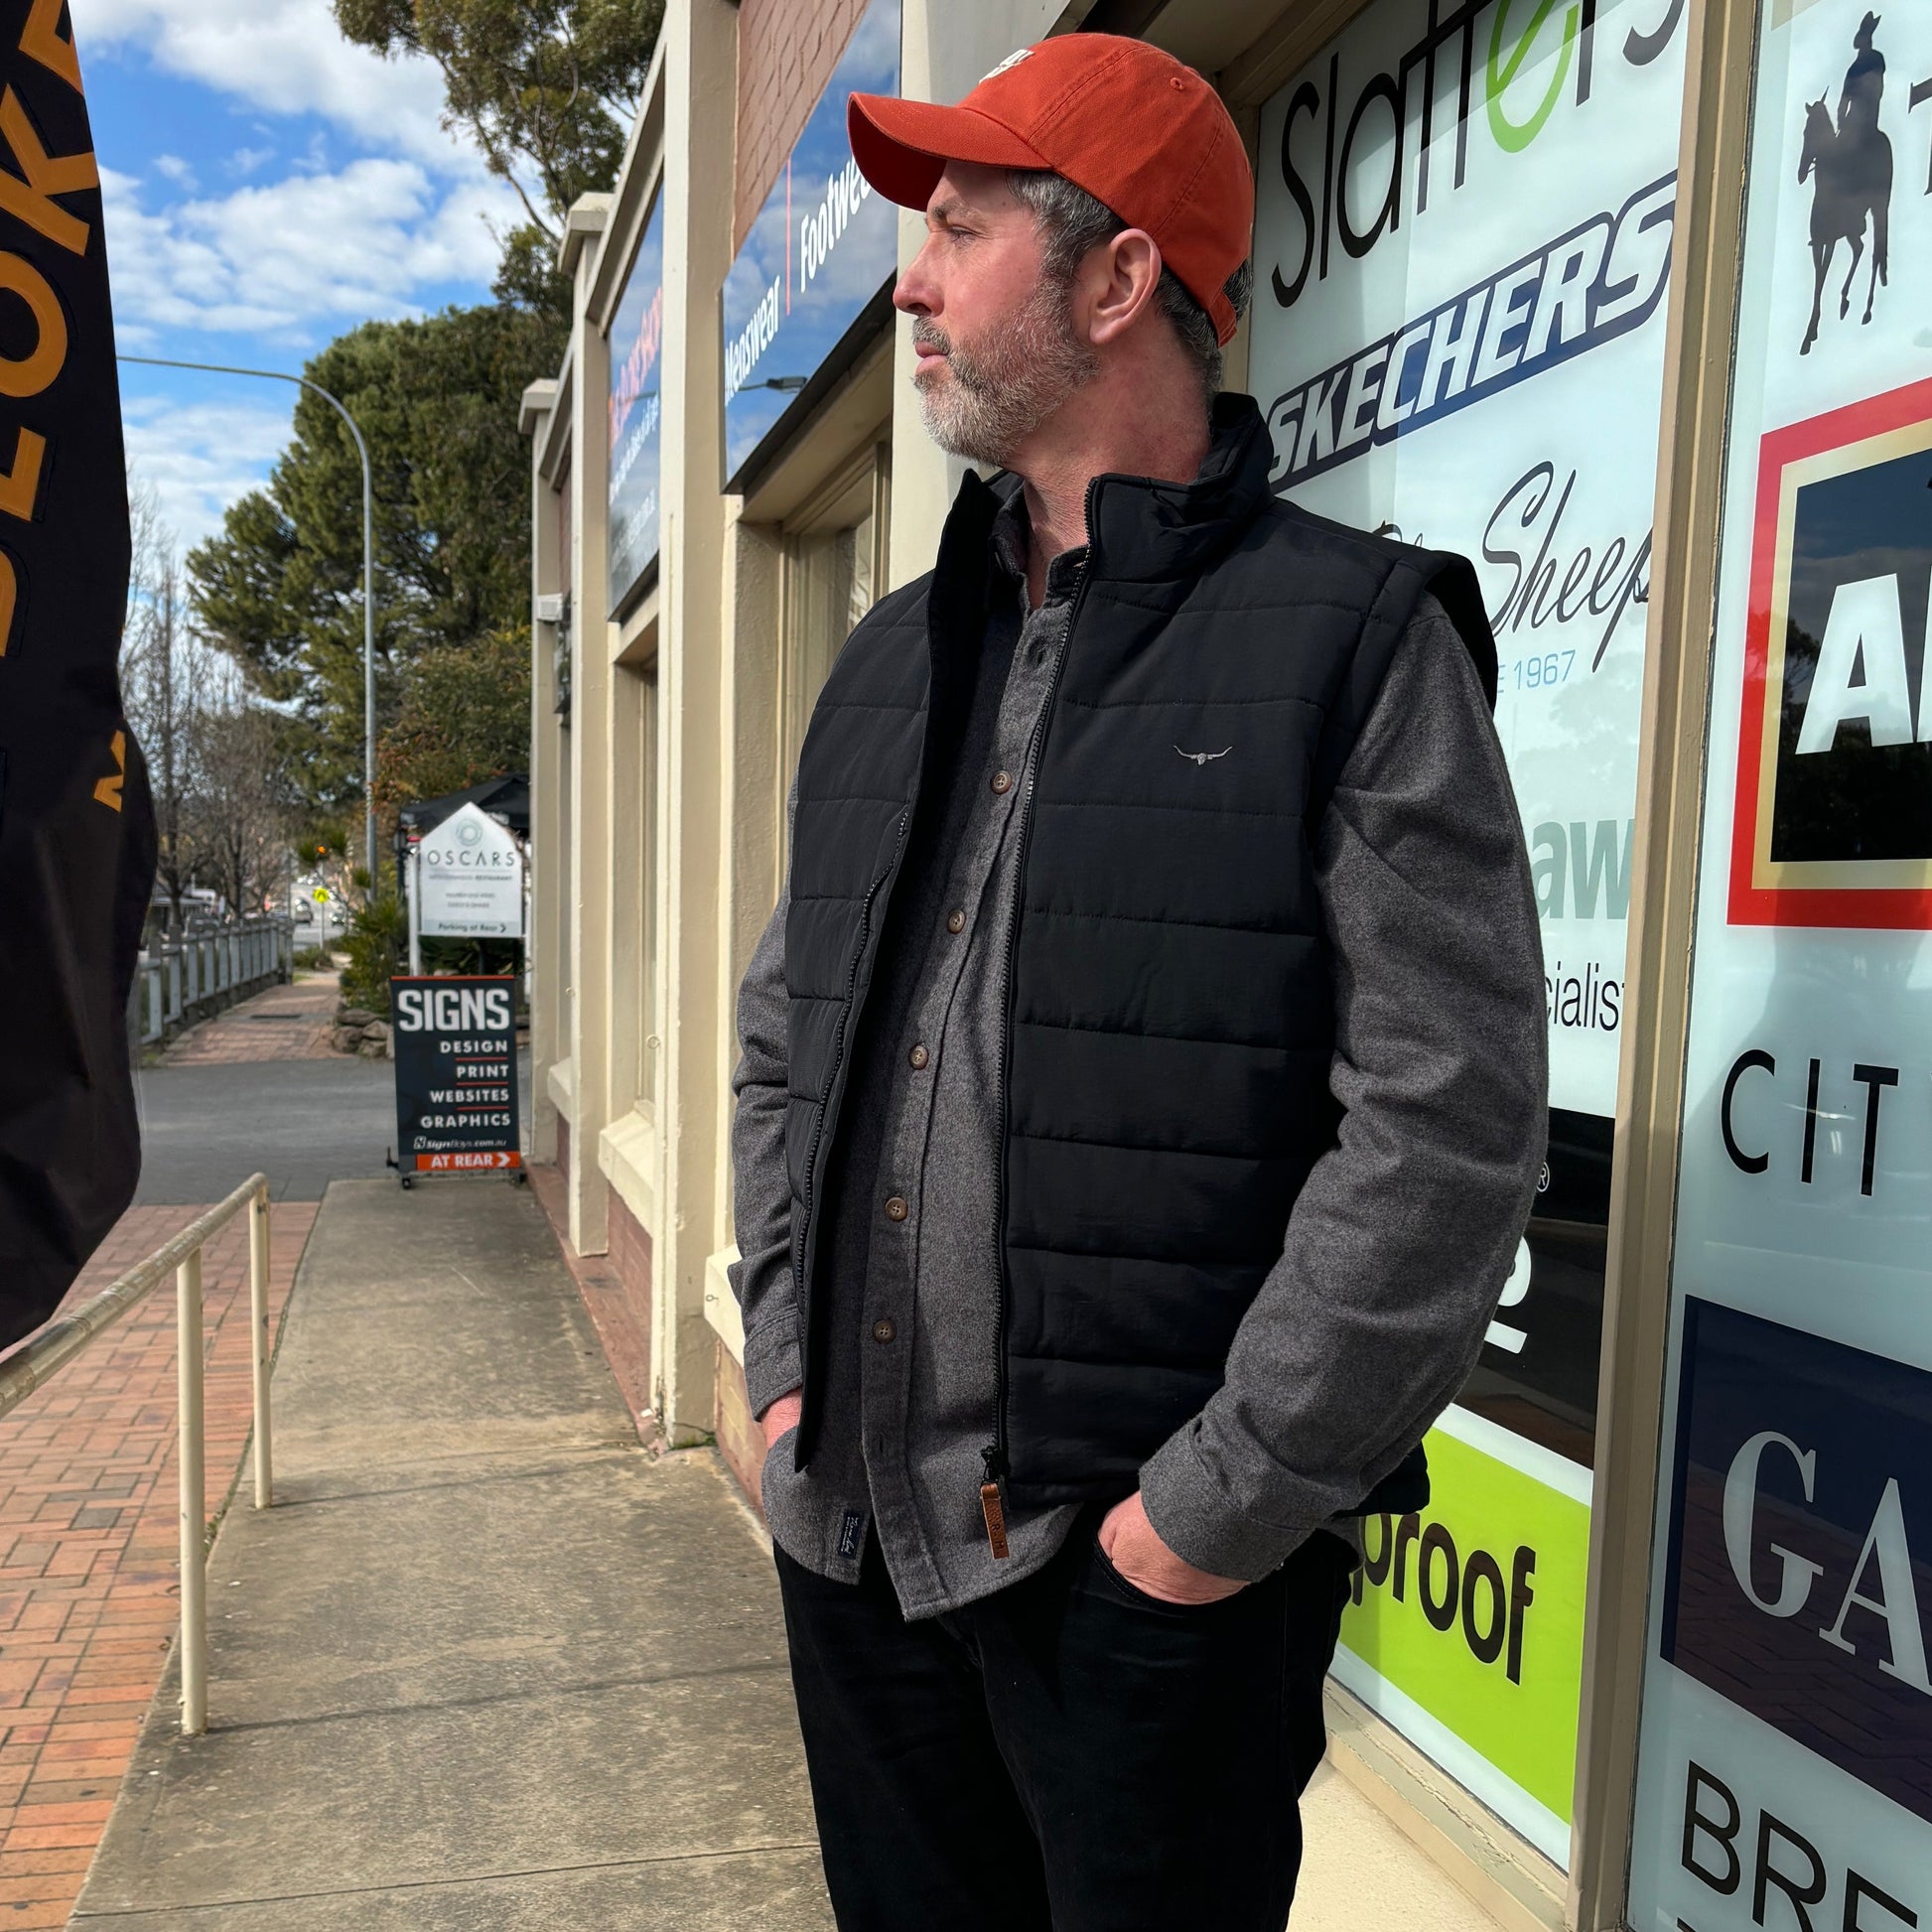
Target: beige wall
(642, 1097)
(696, 756)
(549, 537)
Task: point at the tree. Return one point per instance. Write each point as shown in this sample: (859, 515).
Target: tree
(165, 669)
(242, 807)
(217, 770)
(546, 89)
(464, 717)
(281, 586)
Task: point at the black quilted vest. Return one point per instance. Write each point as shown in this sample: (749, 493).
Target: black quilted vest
(1169, 1006)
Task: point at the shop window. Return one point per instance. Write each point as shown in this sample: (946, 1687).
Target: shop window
(564, 891)
(1785, 1763)
(649, 840)
(634, 860)
(1462, 255)
(834, 564)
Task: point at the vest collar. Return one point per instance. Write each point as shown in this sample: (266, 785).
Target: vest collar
(1141, 531)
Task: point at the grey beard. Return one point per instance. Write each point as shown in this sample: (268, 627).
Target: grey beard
(995, 399)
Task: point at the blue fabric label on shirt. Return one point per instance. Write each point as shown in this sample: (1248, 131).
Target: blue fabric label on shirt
(849, 1532)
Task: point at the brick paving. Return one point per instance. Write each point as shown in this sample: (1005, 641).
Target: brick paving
(287, 1023)
(88, 1585)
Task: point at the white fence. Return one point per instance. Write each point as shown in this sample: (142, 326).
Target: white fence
(186, 980)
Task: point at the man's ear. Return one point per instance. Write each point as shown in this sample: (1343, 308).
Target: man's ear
(1124, 274)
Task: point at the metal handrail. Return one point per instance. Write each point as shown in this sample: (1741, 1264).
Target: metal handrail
(50, 1347)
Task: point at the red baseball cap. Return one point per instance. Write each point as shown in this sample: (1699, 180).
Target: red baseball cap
(1132, 125)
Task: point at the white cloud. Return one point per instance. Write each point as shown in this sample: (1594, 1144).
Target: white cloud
(371, 239)
(201, 456)
(269, 236)
(286, 57)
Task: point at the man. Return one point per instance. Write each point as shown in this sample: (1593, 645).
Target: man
(1144, 1074)
(1859, 98)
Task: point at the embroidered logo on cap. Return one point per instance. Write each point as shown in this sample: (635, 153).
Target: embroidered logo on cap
(1013, 59)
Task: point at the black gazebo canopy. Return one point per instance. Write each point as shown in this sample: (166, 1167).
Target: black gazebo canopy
(507, 799)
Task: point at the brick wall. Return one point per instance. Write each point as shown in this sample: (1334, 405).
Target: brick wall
(741, 1439)
(629, 1259)
(787, 51)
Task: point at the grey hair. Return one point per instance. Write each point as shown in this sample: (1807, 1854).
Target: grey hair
(1071, 221)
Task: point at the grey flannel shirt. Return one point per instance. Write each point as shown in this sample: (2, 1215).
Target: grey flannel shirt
(1397, 1247)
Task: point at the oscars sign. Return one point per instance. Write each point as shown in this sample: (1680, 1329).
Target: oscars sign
(470, 879)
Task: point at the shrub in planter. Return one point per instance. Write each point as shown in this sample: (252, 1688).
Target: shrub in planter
(377, 945)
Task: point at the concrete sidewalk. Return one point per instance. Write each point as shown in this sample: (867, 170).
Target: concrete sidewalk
(489, 1664)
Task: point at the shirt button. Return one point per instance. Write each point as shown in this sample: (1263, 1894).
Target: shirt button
(1003, 781)
(895, 1209)
(883, 1331)
(955, 921)
(918, 1056)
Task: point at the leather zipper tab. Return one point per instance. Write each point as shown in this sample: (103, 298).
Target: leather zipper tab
(995, 1512)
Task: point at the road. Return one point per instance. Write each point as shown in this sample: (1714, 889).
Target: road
(303, 1122)
(256, 1087)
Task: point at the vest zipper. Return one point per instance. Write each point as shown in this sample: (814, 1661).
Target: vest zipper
(837, 1056)
(994, 1456)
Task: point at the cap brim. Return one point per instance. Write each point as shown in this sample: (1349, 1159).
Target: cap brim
(903, 145)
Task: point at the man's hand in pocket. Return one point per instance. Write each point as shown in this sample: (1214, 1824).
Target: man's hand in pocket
(1129, 1542)
(782, 1415)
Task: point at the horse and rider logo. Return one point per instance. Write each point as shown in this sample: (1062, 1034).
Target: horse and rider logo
(1848, 162)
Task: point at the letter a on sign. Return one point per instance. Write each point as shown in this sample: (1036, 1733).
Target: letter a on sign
(1897, 1602)
(1867, 629)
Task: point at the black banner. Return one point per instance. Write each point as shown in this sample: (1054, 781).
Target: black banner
(76, 828)
(456, 1073)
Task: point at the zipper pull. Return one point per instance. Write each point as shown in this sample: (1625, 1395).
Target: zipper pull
(993, 1507)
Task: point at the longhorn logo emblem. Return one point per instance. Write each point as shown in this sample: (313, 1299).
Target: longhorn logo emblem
(1202, 758)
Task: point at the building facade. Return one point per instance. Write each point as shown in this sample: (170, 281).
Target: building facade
(1626, 300)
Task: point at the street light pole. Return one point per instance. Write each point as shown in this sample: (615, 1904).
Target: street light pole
(369, 565)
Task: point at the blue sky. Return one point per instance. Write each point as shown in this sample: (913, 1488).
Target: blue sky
(267, 186)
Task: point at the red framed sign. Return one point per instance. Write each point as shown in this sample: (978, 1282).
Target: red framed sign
(1833, 824)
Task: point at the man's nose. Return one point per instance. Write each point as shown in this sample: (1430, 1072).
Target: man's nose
(913, 293)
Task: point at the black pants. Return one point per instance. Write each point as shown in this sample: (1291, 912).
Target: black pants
(1068, 1753)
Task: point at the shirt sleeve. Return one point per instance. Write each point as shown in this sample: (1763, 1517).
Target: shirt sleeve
(1403, 1236)
(762, 1277)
